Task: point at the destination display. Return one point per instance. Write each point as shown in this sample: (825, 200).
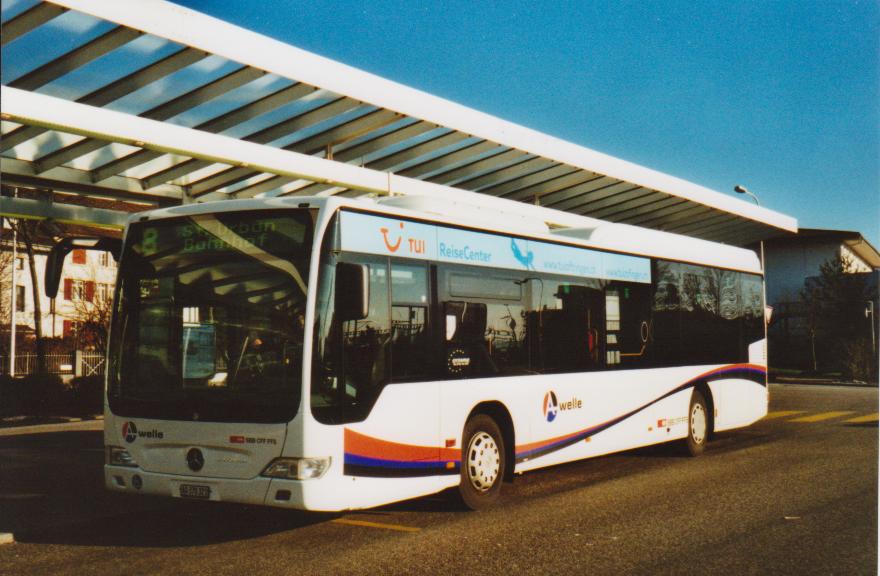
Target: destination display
(393, 237)
(220, 233)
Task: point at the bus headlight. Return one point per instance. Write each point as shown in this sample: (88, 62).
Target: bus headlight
(117, 456)
(297, 468)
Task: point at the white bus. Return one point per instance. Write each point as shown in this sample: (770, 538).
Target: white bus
(333, 354)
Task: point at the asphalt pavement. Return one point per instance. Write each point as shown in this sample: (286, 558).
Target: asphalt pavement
(793, 494)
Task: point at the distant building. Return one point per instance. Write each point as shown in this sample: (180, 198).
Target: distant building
(792, 264)
(791, 260)
(87, 280)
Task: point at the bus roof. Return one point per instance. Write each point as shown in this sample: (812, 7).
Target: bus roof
(518, 220)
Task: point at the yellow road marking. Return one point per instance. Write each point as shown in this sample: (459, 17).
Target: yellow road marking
(782, 414)
(379, 525)
(822, 416)
(861, 419)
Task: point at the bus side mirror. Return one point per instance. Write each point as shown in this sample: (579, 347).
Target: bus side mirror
(352, 298)
(55, 260)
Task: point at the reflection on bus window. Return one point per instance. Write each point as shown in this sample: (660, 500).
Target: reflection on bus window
(410, 348)
(205, 319)
(485, 319)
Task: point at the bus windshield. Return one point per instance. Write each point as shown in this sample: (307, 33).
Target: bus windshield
(209, 317)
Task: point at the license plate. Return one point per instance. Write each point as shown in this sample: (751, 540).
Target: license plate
(195, 491)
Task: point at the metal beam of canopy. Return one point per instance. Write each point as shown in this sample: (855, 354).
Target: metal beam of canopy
(75, 58)
(322, 141)
(215, 125)
(65, 213)
(536, 179)
(64, 179)
(294, 124)
(338, 112)
(555, 184)
(116, 90)
(70, 117)
(162, 112)
(31, 18)
(478, 167)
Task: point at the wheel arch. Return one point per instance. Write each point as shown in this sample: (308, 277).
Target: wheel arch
(501, 415)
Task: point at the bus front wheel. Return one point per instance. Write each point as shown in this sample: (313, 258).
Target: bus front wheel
(482, 462)
(698, 424)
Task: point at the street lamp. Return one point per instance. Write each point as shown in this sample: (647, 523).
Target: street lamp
(743, 190)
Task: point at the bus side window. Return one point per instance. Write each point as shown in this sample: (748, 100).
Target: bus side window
(567, 330)
(634, 334)
(410, 350)
(466, 350)
(666, 314)
(485, 323)
(752, 294)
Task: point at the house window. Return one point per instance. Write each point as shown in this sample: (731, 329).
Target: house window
(70, 328)
(79, 290)
(106, 260)
(19, 262)
(19, 298)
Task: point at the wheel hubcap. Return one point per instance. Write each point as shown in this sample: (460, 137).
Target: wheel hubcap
(698, 423)
(484, 461)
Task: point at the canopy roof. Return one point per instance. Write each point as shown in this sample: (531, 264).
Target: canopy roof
(172, 77)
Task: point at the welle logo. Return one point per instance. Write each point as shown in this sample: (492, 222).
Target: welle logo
(552, 406)
(131, 433)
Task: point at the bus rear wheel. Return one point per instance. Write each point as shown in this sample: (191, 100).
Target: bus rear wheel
(482, 463)
(698, 424)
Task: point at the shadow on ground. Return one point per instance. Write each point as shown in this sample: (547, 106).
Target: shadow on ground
(175, 524)
(52, 491)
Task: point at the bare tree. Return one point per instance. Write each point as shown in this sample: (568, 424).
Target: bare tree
(6, 270)
(835, 303)
(92, 314)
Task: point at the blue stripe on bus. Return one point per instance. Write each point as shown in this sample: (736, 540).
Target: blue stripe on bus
(363, 466)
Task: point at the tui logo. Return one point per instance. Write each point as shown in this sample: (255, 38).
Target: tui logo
(396, 245)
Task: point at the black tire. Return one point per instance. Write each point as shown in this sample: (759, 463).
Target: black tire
(482, 463)
(699, 424)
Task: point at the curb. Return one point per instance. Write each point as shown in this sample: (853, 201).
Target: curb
(837, 383)
(93, 425)
(25, 421)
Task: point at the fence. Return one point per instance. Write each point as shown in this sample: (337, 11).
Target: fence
(75, 363)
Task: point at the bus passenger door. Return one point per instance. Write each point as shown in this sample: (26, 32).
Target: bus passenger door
(378, 378)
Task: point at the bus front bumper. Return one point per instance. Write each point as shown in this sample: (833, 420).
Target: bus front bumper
(258, 491)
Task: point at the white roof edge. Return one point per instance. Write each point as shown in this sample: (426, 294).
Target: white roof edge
(198, 30)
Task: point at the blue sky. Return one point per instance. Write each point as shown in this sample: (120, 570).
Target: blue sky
(780, 96)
